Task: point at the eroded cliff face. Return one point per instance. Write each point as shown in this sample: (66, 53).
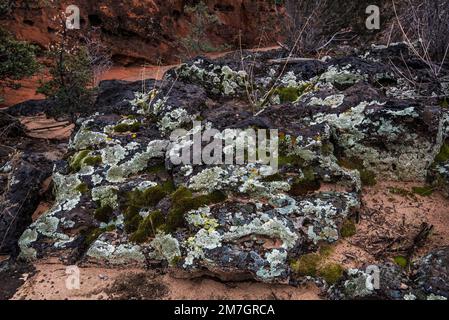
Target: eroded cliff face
(149, 30)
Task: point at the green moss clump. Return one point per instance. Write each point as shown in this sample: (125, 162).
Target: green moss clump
(326, 250)
(443, 156)
(367, 177)
(180, 194)
(148, 227)
(146, 198)
(327, 149)
(176, 260)
(331, 272)
(91, 235)
(315, 265)
(294, 161)
(159, 168)
(138, 199)
(124, 127)
(423, 191)
(348, 229)
(302, 186)
(401, 261)
(183, 201)
(272, 178)
(92, 161)
(76, 161)
(288, 94)
(83, 188)
(81, 159)
(307, 265)
(132, 220)
(104, 214)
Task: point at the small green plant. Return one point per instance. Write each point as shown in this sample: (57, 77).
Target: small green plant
(401, 261)
(104, 214)
(314, 265)
(17, 59)
(443, 155)
(331, 272)
(69, 83)
(348, 228)
(124, 127)
(425, 191)
(367, 177)
(76, 63)
(148, 227)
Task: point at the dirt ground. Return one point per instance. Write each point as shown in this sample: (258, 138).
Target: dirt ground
(49, 282)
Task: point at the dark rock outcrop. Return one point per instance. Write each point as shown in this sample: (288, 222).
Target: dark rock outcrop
(121, 200)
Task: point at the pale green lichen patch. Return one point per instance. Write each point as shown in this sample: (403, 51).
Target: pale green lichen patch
(106, 196)
(341, 77)
(276, 265)
(333, 101)
(166, 247)
(25, 242)
(116, 255)
(138, 163)
(197, 245)
(85, 138)
(264, 226)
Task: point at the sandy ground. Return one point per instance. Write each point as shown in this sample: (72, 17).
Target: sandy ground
(392, 219)
(49, 282)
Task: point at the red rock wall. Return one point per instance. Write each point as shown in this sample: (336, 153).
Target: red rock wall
(148, 30)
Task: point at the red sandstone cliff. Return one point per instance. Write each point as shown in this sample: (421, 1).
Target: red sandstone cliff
(148, 30)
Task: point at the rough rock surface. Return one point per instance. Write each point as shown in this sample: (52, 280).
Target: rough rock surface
(22, 172)
(427, 281)
(342, 121)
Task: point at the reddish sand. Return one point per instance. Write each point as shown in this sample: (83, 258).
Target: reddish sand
(49, 282)
(28, 88)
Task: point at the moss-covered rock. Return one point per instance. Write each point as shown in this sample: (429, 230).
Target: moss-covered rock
(148, 227)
